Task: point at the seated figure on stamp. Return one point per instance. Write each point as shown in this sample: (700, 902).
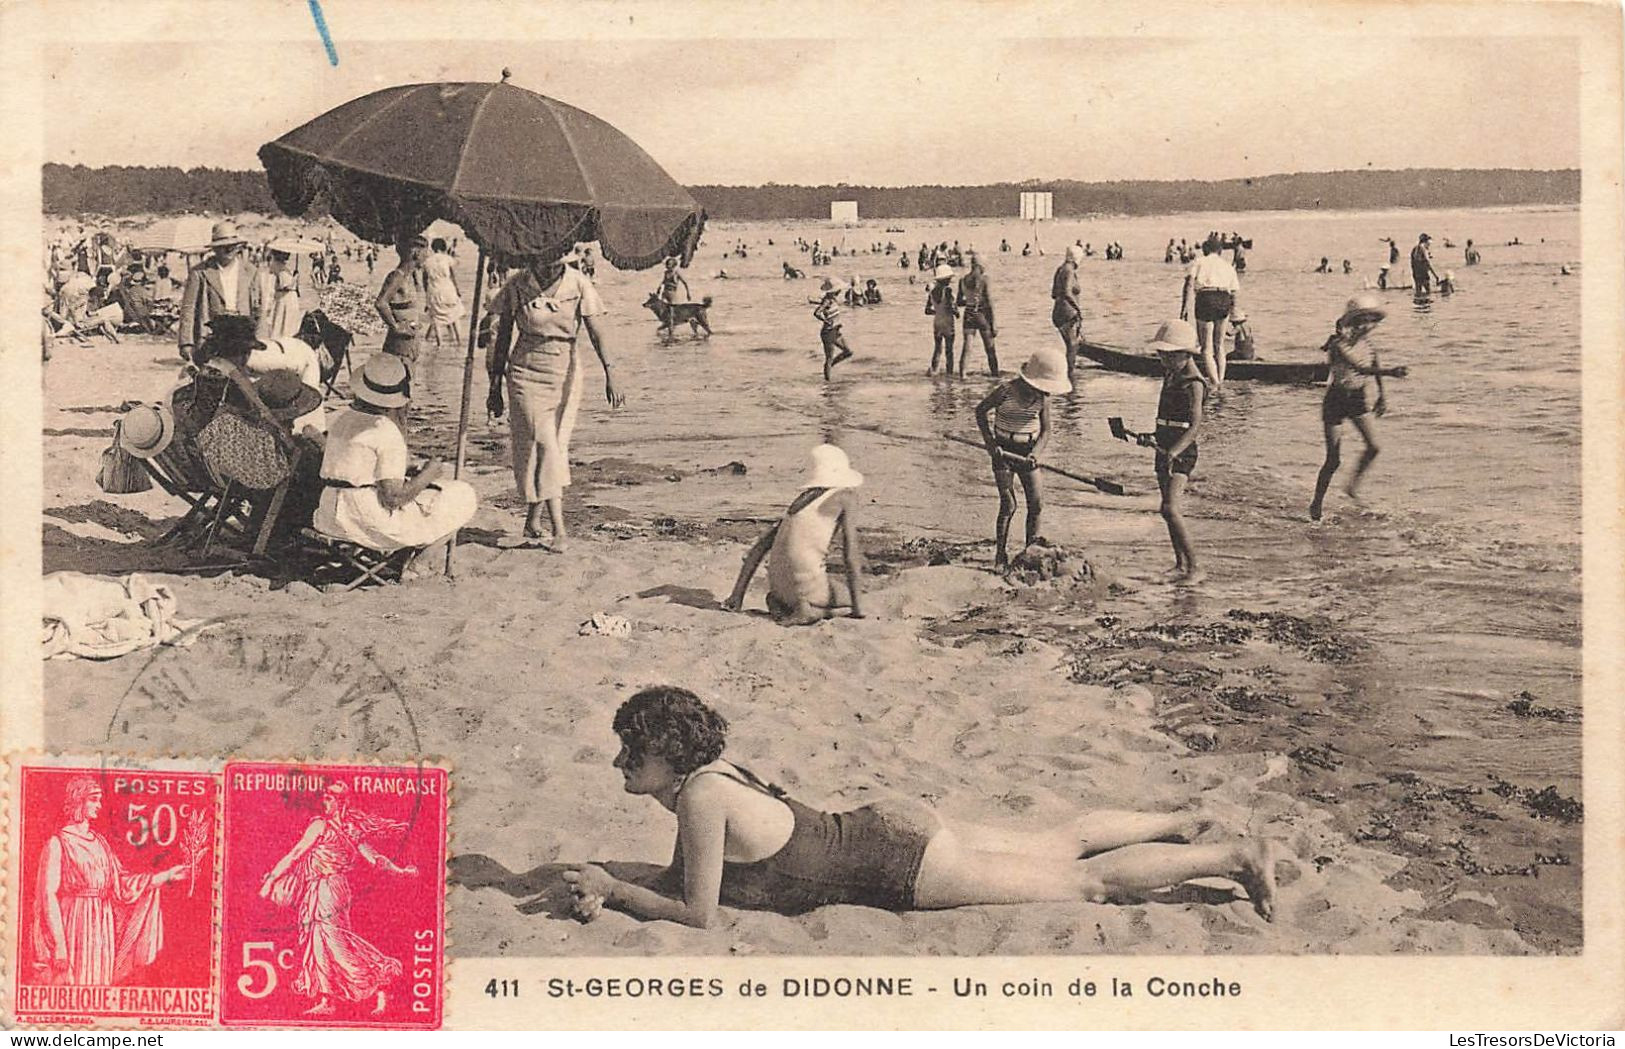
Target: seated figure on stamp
(744, 843)
(76, 932)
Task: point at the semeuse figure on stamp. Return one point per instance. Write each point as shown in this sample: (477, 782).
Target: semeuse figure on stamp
(745, 843)
(77, 933)
(334, 961)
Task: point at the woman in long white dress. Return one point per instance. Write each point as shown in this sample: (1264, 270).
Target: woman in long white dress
(280, 289)
(542, 309)
(368, 497)
(445, 298)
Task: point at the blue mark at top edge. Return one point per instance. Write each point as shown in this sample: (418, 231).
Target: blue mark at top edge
(321, 27)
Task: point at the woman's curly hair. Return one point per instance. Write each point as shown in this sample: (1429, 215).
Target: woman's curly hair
(674, 724)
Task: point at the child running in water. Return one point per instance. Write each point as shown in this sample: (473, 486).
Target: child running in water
(800, 590)
(1179, 419)
(1352, 365)
(829, 312)
(1014, 420)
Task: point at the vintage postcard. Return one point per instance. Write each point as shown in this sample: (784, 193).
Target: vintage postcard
(740, 515)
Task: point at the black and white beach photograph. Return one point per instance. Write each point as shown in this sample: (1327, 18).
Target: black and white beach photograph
(1011, 486)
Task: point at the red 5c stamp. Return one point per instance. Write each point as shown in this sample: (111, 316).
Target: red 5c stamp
(333, 896)
(113, 885)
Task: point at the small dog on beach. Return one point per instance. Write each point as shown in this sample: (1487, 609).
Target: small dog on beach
(671, 314)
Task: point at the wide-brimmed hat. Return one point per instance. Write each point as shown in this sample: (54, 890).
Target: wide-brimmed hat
(1074, 253)
(1363, 307)
(286, 395)
(384, 382)
(943, 272)
(225, 232)
(231, 332)
(1238, 317)
(1426, 238)
(1046, 370)
(146, 430)
(829, 286)
(1175, 336)
(831, 469)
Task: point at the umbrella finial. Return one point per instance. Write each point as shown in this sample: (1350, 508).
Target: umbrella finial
(506, 73)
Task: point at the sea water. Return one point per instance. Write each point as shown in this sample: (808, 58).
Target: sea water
(1461, 565)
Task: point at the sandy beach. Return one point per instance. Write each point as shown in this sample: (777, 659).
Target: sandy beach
(992, 700)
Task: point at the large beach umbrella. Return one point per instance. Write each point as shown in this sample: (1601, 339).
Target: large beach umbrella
(524, 175)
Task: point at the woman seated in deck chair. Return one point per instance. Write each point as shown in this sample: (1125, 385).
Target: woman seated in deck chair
(371, 498)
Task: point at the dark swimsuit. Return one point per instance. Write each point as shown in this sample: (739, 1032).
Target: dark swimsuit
(869, 856)
(1173, 419)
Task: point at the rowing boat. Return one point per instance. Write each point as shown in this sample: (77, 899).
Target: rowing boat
(1303, 374)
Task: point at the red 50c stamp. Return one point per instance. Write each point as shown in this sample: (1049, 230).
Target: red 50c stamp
(333, 896)
(114, 893)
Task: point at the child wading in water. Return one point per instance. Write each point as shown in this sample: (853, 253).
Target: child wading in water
(940, 304)
(800, 589)
(1179, 419)
(1014, 420)
(1353, 364)
(829, 312)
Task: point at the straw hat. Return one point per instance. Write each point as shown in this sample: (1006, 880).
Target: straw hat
(1074, 254)
(223, 233)
(1175, 336)
(146, 430)
(943, 272)
(831, 469)
(1363, 307)
(830, 286)
(385, 382)
(286, 395)
(1046, 370)
(1238, 317)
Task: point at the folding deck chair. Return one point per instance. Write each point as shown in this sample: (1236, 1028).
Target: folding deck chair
(339, 561)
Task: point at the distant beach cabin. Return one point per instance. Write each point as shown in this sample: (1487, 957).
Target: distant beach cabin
(1036, 206)
(843, 211)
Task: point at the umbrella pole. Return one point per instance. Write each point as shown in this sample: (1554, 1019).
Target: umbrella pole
(468, 388)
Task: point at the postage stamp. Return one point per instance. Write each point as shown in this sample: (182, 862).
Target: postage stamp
(113, 876)
(333, 896)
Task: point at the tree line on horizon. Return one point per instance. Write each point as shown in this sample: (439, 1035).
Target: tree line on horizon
(122, 190)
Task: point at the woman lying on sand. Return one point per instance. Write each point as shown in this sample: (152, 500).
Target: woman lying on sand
(745, 843)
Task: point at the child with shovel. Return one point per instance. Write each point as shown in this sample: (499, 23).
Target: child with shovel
(1014, 420)
(1179, 420)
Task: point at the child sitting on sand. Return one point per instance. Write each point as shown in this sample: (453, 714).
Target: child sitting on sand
(829, 314)
(800, 589)
(1014, 420)
(745, 843)
(1179, 420)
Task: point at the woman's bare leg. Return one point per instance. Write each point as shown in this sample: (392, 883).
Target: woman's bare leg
(1090, 833)
(952, 875)
(1138, 869)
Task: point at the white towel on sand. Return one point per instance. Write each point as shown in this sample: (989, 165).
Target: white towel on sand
(96, 617)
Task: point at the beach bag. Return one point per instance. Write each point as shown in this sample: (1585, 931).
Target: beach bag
(242, 451)
(121, 473)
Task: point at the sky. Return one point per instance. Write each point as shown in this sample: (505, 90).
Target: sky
(878, 108)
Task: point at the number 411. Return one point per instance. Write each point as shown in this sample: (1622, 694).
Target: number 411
(502, 989)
